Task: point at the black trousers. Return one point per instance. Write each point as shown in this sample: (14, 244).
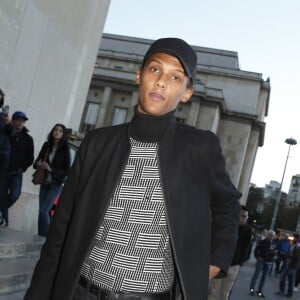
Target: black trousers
(82, 293)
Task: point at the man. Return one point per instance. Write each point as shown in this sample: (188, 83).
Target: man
(264, 252)
(6, 131)
(139, 197)
(283, 246)
(21, 158)
(288, 272)
(223, 286)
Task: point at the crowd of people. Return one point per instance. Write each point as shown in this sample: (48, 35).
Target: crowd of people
(17, 155)
(277, 254)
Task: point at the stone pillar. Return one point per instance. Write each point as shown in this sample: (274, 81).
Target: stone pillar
(208, 117)
(46, 63)
(234, 138)
(134, 100)
(103, 107)
(193, 113)
(248, 165)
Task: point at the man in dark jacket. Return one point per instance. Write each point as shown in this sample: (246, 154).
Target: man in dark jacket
(223, 286)
(20, 159)
(264, 252)
(288, 272)
(148, 209)
(6, 131)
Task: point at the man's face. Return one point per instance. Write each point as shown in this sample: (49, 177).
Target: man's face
(243, 217)
(18, 124)
(162, 85)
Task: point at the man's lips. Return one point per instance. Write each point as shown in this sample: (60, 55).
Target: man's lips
(156, 96)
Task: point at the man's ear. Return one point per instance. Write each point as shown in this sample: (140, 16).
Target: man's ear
(188, 94)
(138, 76)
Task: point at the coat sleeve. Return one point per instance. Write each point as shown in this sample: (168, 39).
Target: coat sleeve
(46, 268)
(225, 210)
(28, 154)
(61, 169)
(40, 155)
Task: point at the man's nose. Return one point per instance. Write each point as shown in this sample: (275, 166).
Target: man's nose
(161, 82)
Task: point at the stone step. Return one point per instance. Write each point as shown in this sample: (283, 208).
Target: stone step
(19, 252)
(15, 274)
(15, 243)
(13, 296)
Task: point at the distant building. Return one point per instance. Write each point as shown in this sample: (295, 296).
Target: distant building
(271, 189)
(294, 191)
(227, 100)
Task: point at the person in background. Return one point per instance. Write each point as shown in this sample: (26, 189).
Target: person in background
(276, 240)
(264, 252)
(223, 286)
(264, 234)
(6, 131)
(288, 272)
(148, 210)
(283, 246)
(54, 157)
(297, 280)
(22, 155)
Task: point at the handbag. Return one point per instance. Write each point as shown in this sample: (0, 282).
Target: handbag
(39, 175)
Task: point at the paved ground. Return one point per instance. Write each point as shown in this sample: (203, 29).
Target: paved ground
(241, 288)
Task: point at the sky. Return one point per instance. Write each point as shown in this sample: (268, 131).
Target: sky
(266, 35)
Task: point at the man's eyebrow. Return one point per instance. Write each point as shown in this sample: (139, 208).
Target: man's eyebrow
(159, 62)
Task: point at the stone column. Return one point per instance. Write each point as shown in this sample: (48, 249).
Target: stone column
(208, 117)
(234, 138)
(193, 113)
(248, 164)
(134, 100)
(46, 66)
(103, 107)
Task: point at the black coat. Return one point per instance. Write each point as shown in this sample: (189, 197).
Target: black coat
(60, 164)
(243, 245)
(22, 151)
(201, 202)
(266, 250)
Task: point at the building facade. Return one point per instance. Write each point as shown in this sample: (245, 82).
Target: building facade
(226, 100)
(47, 55)
(294, 191)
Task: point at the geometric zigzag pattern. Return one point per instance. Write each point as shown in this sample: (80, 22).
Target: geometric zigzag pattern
(131, 251)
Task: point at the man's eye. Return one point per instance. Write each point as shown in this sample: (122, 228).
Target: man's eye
(175, 78)
(154, 69)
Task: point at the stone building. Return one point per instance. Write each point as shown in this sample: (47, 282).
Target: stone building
(294, 191)
(227, 100)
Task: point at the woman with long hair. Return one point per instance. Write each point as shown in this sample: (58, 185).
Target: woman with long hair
(54, 157)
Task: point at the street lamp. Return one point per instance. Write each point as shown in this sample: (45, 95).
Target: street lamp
(290, 142)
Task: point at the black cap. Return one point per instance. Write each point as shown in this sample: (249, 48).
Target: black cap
(178, 48)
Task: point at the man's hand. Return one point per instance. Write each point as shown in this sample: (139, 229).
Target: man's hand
(213, 271)
(5, 120)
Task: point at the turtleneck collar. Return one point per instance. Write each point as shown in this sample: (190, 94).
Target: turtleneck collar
(147, 128)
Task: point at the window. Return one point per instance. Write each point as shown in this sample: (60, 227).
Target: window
(91, 116)
(119, 116)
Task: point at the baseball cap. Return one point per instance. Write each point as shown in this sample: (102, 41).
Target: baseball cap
(19, 114)
(178, 48)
